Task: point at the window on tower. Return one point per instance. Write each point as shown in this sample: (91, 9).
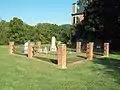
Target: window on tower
(73, 20)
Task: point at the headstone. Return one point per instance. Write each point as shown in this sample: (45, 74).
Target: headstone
(26, 47)
(53, 44)
(45, 50)
(98, 47)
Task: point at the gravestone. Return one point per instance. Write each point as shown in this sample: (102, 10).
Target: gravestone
(26, 47)
(53, 44)
(45, 50)
(98, 47)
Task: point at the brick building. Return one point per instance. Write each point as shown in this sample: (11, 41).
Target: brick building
(77, 13)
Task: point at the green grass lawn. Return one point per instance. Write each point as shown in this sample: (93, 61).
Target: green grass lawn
(20, 73)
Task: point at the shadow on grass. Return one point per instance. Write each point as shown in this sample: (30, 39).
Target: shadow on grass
(54, 61)
(98, 53)
(53, 53)
(112, 67)
(81, 57)
(116, 53)
(22, 54)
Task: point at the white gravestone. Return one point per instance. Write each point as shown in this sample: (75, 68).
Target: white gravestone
(53, 44)
(45, 50)
(26, 48)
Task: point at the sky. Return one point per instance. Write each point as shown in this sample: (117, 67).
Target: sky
(37, 11)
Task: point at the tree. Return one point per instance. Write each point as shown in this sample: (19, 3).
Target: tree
(101, 21)
(4, 28)
(18, 31)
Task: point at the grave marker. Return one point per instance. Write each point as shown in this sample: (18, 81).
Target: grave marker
(26, 47)
(53, 44)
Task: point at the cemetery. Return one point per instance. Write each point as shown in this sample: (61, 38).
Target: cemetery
(34, 64)
(82, 54)
(59, 54)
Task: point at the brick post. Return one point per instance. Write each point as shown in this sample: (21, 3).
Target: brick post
(106, 49)
(38, 47)
(89, 52)
(62, 56)
(78, 47)
(30, 50)
(11, 47)
(59, 54)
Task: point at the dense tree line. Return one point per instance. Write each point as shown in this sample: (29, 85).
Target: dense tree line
(18, 31)
(101, 22)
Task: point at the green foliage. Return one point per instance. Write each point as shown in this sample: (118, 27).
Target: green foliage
(101, 22)
(19, 32)
(4, 28)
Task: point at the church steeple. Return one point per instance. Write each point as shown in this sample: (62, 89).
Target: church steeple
(77, 15)
(74, 9)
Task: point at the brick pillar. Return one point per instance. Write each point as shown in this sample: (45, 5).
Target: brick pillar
(106, 49)
(59, 54)
(30, 50)
(11, 47)
(78, 47)
(89, 52)
(62, 56)
(38, 47)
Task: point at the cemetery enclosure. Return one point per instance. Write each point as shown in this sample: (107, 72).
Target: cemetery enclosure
(52, 57)
(62, 56)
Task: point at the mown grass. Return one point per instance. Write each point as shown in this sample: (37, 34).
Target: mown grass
(20, 73)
